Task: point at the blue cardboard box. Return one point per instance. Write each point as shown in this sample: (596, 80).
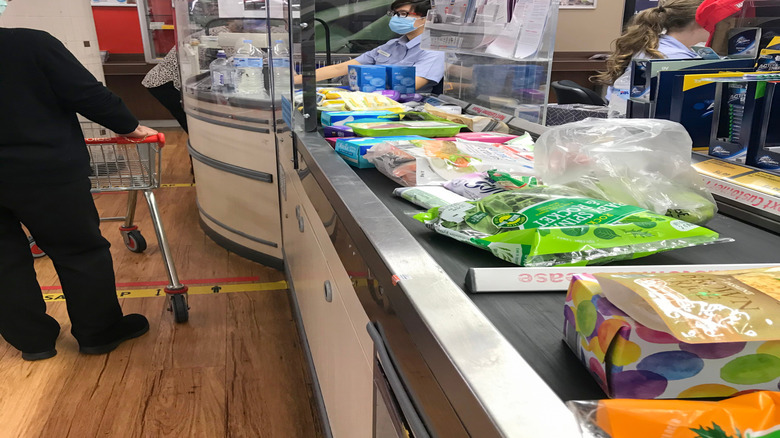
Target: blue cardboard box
(401, 78)
(367, 78)
(333, 118)
(352, 149)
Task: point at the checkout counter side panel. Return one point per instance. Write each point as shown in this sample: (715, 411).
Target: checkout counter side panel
(330, 319)
(243, 204)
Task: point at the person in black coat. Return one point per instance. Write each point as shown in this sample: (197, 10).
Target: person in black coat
(44, 184)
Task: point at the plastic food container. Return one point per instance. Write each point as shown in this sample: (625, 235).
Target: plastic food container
(393, 129)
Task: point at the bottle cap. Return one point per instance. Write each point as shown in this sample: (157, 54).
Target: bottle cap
(248, 41)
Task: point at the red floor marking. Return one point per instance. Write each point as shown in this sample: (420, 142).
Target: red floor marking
(227, 280)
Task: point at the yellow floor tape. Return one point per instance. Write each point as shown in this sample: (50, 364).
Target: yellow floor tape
(178, 185)
(194, 290)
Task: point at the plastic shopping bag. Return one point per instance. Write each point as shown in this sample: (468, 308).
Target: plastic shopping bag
(641, 162)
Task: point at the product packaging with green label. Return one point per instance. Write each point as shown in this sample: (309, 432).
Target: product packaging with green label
(549, 226)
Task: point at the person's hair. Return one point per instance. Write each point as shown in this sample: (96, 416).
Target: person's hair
(642, 35)
(419, 7)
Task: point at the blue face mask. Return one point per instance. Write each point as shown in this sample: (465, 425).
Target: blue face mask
(400, 25)
(3, 4)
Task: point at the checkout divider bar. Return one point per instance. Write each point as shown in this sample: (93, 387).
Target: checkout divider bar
(489, 280)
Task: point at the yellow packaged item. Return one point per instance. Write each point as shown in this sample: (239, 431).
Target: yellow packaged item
(698, 308)
(358, 101)
(474, 123)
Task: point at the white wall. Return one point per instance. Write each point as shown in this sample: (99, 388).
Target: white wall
(589, 30)
(70, 21)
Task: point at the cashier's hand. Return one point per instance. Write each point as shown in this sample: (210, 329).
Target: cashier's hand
(141, 132)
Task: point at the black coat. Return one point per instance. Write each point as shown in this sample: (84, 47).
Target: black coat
(42, 87)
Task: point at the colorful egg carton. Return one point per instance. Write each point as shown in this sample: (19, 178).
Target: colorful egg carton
(629, 360)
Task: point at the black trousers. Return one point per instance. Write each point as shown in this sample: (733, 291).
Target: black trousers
(64, 222)
(170, 98)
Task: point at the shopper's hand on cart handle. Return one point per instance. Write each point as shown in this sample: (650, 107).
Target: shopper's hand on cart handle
(141, 132)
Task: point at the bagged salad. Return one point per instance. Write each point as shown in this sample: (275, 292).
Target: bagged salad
(549, 226)
(480, 184)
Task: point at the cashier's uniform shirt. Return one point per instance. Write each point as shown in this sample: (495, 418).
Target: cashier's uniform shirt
(402, 51)
(673, 49)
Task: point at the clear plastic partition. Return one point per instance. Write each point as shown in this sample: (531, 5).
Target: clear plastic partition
(499, 53)
(304, 63)
(226, 50)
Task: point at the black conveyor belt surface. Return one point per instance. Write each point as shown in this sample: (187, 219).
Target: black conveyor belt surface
(532, 322)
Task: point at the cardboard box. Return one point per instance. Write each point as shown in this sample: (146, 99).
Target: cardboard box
(401, 78)
(769, 57)
(367, 78)
(332, 118)
(353, 149)
(629, 360)
(337, 131)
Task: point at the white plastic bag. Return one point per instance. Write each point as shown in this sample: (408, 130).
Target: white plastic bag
(641, 162)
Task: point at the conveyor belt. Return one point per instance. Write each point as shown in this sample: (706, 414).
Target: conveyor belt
(532, 322)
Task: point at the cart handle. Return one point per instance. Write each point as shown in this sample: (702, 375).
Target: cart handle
(157, 138)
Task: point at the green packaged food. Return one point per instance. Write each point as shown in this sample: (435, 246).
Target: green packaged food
(428, 196)
(425, 128)
(548, 226)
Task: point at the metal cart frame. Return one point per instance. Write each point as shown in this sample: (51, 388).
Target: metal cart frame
(132, 165)
(125, 164)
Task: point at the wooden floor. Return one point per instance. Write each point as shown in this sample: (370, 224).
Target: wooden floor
(235, 370)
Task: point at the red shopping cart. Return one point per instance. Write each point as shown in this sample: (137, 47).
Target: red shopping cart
(132, 165)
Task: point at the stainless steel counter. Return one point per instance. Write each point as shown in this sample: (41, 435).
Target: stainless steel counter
(498, 358)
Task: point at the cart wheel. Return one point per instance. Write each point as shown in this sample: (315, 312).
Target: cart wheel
(181, 311)
(36, 251)
(134, 241)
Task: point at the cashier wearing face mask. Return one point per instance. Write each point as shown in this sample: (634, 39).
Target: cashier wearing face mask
(407, 18)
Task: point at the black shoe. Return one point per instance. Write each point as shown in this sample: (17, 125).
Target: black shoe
(129, 327)
(39, 356)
